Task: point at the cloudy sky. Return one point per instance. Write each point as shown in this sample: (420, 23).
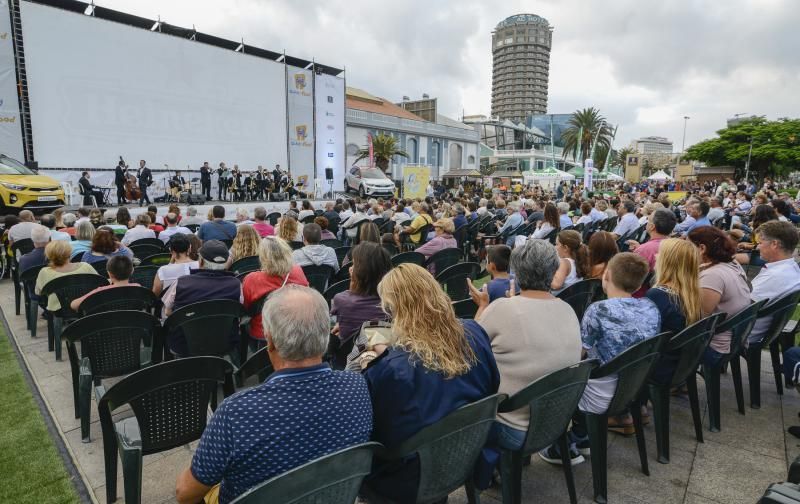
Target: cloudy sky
(644, 63)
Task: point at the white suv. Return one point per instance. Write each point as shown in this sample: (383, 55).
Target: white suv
(368, 182)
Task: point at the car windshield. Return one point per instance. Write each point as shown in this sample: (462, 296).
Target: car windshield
(372, 174)
(9, 166)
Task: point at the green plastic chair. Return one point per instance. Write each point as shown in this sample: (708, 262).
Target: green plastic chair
(144, 275)
(142, 250)
(318, 276)
(454, 279)
(580, 295)
(632, 367)
(408, 257)
(257, 365)
(27, 280)
(443, 259)
(170, 405)
(781, 311)
(112, 344)
(206, 325)
(157, 259)
(690, 344)
(552, 400)
(332, 479)
(19, 248)
(245, 265)
(740, 326)
(465, 309)
(447, 451)
(129, 297)
(66, 289)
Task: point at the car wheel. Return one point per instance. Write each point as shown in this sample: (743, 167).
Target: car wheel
(362, 192)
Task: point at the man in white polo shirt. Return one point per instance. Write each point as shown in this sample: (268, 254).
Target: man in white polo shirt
(781, 275)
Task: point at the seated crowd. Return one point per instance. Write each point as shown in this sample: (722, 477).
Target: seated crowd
(662, 267)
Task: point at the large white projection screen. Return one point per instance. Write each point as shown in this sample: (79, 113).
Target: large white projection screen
(100, 90)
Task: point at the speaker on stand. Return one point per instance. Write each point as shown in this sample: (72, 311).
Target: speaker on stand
(329, 179)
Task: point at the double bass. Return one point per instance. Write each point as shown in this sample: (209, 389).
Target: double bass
(132, 191)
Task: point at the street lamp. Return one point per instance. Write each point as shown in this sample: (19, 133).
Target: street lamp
(683, 145)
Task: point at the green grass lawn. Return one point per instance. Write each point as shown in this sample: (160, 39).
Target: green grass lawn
(31, 470)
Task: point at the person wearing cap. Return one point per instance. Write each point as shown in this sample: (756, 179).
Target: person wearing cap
(210, 282)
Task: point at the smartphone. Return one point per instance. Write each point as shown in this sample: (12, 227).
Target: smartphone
(512, 284)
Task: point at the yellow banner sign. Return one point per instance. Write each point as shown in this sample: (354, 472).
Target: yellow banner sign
(415, 181)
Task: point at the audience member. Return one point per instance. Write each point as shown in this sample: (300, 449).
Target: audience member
(498, 258)
(322, 222)
(172, 228)
(547, 225)
(443, 239)
(40, 236)
(192, 219)
(312, 252)
(49, 221)
(246, 243)
(627, 223)
(119, 269)
(180, 264)
(83, 239)
(261, 225)
(321, 411)
(217, 228)
(140, 231)
(573, 260)
(209, 282)
(104, 246)
(602, 247)
(57, 253)
(434, 364)
(22, 230)
(277, 270)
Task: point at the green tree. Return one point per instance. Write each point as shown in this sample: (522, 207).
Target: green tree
(384, 148)
(584, 126)
(621, 156)
(600, 155)
(776, 147)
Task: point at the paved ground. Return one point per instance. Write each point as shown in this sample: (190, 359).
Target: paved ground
(733, 466)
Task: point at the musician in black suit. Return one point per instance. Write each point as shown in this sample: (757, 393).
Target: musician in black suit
(277, 175)
(145, 179)
(260, 183)
(222, 182)
(205, 180)
(89, 190)
(177, 184)
(119, 181)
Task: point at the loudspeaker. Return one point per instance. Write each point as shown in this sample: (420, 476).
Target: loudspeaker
(328, 173)
(197, 199)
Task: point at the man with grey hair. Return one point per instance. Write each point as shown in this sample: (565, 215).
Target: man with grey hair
(628, 223)
(304, 407)
(40, 236)
(171, 220)
(22, 230)
(49, 221)
(192, 219)
(564, 220)
(532, 334)
(262, 227)
(210, 282)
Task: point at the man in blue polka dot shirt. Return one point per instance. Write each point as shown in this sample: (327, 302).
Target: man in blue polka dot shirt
(304, 410)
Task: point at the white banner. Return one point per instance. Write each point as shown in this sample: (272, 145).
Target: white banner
(588, 174)
(329, 102)
(10, 127)
(301, 124)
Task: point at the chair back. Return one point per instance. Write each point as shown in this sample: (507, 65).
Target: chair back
(454, 279)
(449, 448)
(111, 341)
(387, 227)
(28, 277)
(192, 227)
(227, 243)
(341, 253)
(144, 275)
(257, 365)
(245, 265)
(781, 311)
(127, 297)
(443, 259)
(465, 309)
(273, 218)
(69, 287)
(408, 257)
(610, 224)
(332, 479)
(391, 249)
(21, 247)
(308, 219)
(318, 276)
(206, 325)
(752, 271)
(552, 401)
(580, 295)
(740, 326)
(424, 231)
(143, 250)
(77, 257)
(159, 259)
(170, 400)
(331, 242)
(101, 267)
(691, 343)
(295, 245)
(551, 236)
(460, 235)
(334, 289)
(632, 367)
(148, 241)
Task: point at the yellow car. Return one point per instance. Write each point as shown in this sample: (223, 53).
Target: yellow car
(24, 189)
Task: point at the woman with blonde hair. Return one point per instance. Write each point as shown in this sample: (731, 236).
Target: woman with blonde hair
(676, 292)
(289, 230)
(277, 270)
(57, 253)
(246, 242)
(433, 364)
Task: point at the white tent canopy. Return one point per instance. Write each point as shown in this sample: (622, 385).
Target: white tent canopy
(659, 176)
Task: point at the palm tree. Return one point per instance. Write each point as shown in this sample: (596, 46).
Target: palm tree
(622, 156)
(584, 126)
(384, 147)
(600, 156)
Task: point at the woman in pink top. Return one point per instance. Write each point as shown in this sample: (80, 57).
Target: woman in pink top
(723, 284)
(444, 229)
